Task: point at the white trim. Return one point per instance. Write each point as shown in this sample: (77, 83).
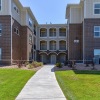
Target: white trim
(1, 6)
(94, 7)
(96, 31)
(84, 8)
(0, 54)
(70, 15)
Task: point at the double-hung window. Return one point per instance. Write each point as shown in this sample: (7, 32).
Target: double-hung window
(96, 31)
(0, 53)
(30, 22)
(0, 4)
(97, 8)
(0, 29)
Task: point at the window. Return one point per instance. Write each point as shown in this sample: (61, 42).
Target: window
(30, 22)
(43, 32)
(0, 29)
(16, 31)
(96, 31)
(0, 4)
(62, 32)
(16, 8)
(30, 38)
(52, 32)
(97, 8)
(0, 53)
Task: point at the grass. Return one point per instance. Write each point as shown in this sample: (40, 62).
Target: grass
(79, 85)
(12, 81)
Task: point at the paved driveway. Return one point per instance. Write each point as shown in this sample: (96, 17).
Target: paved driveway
(42, 86)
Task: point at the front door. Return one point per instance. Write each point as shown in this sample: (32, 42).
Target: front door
(53, 59)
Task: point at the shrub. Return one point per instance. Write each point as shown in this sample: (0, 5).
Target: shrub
(37, 64)
(30, 66)
(59, 65)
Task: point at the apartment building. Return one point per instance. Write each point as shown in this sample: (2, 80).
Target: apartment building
(18, 28)
(84, 30)
(52, 43)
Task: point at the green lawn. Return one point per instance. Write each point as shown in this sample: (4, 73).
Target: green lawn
(80, 85)
(12, 81)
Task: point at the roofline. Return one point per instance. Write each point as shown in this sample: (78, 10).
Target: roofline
(30, 11)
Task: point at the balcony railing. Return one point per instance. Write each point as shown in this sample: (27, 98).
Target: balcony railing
(52, 47)
(43, 47)
(43, 34)
(62, 47)
(52, 34)
(62, 34)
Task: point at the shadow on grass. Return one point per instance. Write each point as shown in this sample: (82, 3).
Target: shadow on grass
(86, 72)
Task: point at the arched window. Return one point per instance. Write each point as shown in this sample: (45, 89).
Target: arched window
(43, 32)
(52, 32)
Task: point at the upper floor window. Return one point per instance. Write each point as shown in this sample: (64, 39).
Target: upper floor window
(16, 8)
(0, 29)
(16, 30)
(43, 32)
(0, 53)
(30, 38)
(30, 22)
(62, 32)
(0, 4)
(52, 32)
(97, 8)
(96, 31)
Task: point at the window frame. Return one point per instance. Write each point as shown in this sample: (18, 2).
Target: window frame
(16, 8)
(30, 22)
(1, 29)
(95, 8)
(30, 38)
(96, 31)
(0, 54)
(16, 30)
(1, 5)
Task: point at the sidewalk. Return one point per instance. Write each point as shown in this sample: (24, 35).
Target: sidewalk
(42, 86)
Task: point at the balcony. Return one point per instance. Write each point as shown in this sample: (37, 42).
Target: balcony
(52, 32)
(43, 45)
(52, 45)
(62, 32)
(62, 45)
(43, 32)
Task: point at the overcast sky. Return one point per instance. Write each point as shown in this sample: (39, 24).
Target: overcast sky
(47, 11)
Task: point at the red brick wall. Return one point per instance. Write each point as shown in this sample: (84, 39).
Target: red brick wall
(5, 39)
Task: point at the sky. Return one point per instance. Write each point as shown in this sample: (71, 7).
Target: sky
(48, 11)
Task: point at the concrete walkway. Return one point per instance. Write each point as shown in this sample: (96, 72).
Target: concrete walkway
(42, 86)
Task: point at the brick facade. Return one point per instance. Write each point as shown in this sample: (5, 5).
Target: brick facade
(5, 39)
(90, 43)
(75, 49)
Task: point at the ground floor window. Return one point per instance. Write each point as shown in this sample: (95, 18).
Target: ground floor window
(0, 53)
(97, 56)
(96, 31)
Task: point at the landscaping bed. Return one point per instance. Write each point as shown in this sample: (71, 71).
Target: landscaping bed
(79, 85)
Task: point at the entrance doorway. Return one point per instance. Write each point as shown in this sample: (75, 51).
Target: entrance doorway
(53, 59)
